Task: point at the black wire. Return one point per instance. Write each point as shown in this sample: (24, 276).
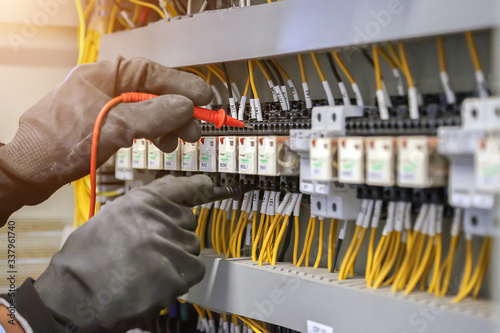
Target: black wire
(368, 57)
(336, 255)
(332, 66)
(228, 81)
(266, 67)
(276, 71)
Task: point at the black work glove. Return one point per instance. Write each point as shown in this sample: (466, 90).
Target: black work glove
(52, 145)
(131, 260)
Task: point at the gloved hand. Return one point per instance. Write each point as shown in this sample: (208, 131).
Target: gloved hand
(131, 260)
(52, 145)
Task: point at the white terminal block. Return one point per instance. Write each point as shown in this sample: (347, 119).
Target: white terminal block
(343, 204)
(481, 114)
(172, 161)
(189, 156)
(481, 222)
(124, 158)
(208, 154)
(247, 155)
(380, 161)
(323, 159)
(351, 160)
(228, 154)
(419, 164)
(140, 154)
(155, 157)
(276, 158)
(318, 205)
(333, 118)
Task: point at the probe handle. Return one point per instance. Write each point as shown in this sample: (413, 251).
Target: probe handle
(234, 192)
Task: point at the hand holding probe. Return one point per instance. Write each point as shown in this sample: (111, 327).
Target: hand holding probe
(218, 118)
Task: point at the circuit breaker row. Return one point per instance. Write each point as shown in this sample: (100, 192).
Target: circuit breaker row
(248, 155)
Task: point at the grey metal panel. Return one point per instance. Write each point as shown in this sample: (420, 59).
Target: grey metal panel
(293, 26)
(289, 296)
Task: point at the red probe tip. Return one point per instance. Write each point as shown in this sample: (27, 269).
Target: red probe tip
(218, 118)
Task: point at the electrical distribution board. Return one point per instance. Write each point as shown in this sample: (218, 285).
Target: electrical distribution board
(376, 163)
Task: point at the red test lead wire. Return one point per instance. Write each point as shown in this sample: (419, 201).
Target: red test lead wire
(218, 118)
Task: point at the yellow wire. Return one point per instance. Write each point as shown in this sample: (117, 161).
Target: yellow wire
(376, 64)
(320, 243)
(263, 70)
(214, 70)
(318, 67)
(112, 19)
(377, 258)
(484, 268)
(258, 237)
(252, 81)
(209, 313)
(441, 57)
(151, 6)
(81, 30)
(403, 272)
(425, 275)
(249, 323)
(281, 69)
(267, 238)
(354, 255)
(296, 240)
(343, 267)
(240, 235)
(88, 9)
(306, 240)
(397, 267)
(343, 67)
(247, 86)
(197, 72)
(420, 270)
(468, 261)
(446, 268)
(388, 265)
(395, 57)
(402, 54)
(369, 260)
(437, 265)
(473, 51)
(471, 283)
(215, 214)
(302, 69)
(309, 243)
(387, 58)
(332, 239)
(278, 240)
(137, 11)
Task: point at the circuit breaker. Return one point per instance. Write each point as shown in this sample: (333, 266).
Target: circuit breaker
(247, 155)
(189, 156)
(140, 154)
(228, 154)
(208, 154)
(155, 157)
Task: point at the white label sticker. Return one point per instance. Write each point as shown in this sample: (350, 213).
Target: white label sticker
(314, 327)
